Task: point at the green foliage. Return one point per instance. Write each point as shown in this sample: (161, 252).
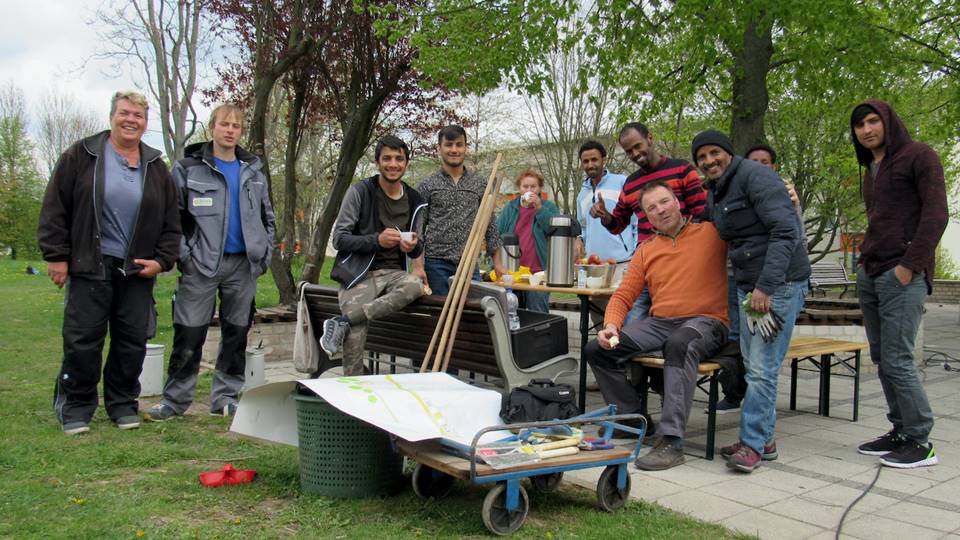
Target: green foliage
(946, 267)
(21, 188)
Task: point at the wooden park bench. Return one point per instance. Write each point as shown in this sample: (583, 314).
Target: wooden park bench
(482, 345)
(824, 353)
(825, 274)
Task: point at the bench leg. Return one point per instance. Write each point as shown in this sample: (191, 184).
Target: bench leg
(825, 384)
(644, 392)
(712, 416)
(584, 336)
(793, 383)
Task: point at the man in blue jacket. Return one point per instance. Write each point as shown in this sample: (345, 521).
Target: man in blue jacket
(752, 211)
(376, 230)
(228, 227)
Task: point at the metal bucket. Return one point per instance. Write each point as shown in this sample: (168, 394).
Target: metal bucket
(151, 376)
(254, 372)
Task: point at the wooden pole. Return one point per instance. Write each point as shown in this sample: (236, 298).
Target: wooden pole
(464, 271)
(486, 211)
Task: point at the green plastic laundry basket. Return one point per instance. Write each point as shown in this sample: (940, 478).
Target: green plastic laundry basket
(340, 456)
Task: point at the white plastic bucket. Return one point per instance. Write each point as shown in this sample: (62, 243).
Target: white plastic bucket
(151, 377)
(254, 373)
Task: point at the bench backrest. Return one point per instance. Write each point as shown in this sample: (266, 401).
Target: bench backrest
(828, 272)
(407, 333)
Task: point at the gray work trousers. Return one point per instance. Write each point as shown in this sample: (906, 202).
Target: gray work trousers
(378, 294)
(892, 314)
(193, 307)
(685, 342)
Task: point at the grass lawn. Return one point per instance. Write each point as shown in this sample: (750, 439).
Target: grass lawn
(143, 483)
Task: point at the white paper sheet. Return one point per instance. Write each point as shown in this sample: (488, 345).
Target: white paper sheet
(412, 406)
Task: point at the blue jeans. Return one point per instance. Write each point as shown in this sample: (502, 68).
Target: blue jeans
(536, 301)
(892, 314)
(640, 309)
(438, 274)
(758, 416)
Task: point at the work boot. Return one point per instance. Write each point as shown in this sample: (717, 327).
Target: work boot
(661, 457)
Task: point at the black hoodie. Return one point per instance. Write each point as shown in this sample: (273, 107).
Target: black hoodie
(906, 201)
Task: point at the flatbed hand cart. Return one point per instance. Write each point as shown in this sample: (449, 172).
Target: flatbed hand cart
(506, 505)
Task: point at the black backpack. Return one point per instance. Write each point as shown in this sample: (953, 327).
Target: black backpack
(540, 399)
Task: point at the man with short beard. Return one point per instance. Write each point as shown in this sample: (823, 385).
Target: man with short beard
(375, 232)
(905, 196)
(453, 195)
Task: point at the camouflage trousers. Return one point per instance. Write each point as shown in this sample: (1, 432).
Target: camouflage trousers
(380, 293)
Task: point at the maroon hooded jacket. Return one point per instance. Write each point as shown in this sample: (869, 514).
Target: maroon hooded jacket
(906, 201)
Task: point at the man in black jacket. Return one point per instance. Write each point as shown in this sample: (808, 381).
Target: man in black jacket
(375, 232)
(228, 227)
(108, 226)
(751, 209)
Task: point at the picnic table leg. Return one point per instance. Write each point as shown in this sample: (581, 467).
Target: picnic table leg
(856, 386)
(584, 336)
(793, 384)
(712, 416)
(825, 384)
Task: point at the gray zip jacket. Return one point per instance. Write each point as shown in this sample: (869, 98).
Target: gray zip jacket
(205, 206)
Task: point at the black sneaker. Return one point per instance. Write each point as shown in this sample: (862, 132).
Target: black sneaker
(334, 331)
(159, 413)
(911, 455)
(725, 406)
(882, 445)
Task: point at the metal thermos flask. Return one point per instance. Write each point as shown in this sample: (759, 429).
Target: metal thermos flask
(510, 252)
(562, 233)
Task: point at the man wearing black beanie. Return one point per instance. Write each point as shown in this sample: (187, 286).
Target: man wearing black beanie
(749, 205)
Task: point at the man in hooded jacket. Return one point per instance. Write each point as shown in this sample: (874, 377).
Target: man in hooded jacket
(905, 197)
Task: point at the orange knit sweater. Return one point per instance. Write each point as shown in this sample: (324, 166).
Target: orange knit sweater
(686, 275)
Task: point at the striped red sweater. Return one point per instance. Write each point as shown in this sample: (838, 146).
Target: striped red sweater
(679, 175)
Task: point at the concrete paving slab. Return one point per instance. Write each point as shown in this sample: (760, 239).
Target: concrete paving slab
(840, 495)
(752, 495)
(924, 516)
(824, 515)
(769, 525)
(702, 505)
(882, 528)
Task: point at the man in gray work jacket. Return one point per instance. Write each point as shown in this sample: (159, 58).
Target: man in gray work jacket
(228, 228)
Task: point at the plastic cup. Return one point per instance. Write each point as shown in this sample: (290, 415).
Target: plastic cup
(406, 236)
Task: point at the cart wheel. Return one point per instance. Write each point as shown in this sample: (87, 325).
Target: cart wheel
(429, 482)
(546, 483)
(494, 511)
(609, 497)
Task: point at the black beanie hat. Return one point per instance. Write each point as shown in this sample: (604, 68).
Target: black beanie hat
(711, 136)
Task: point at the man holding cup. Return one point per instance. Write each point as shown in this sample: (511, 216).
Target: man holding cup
(375, 232)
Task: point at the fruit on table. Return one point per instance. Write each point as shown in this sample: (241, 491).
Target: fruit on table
(593, 259)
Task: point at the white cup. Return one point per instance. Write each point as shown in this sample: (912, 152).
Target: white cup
(507, 279)
(594, 282)
(536, 280)
(406, 236)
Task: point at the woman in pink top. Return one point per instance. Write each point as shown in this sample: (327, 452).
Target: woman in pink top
(528, 216)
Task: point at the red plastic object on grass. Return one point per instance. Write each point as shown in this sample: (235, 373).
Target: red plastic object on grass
(227, 476)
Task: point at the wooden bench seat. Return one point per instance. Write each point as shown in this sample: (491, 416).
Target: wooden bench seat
(482, 343)
(824, 353)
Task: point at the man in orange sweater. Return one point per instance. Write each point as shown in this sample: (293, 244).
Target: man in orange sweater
(685, 268)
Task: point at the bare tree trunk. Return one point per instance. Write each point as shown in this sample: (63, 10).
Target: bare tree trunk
(749, 74)
(357, 129)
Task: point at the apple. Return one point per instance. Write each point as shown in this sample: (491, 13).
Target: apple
(582, 260)
(594, 259)
(611, 260)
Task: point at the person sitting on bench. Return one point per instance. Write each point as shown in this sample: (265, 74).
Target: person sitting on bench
(684, 266)
(374, 234)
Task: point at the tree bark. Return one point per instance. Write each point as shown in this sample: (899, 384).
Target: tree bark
(357, 129)
(749, 75)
